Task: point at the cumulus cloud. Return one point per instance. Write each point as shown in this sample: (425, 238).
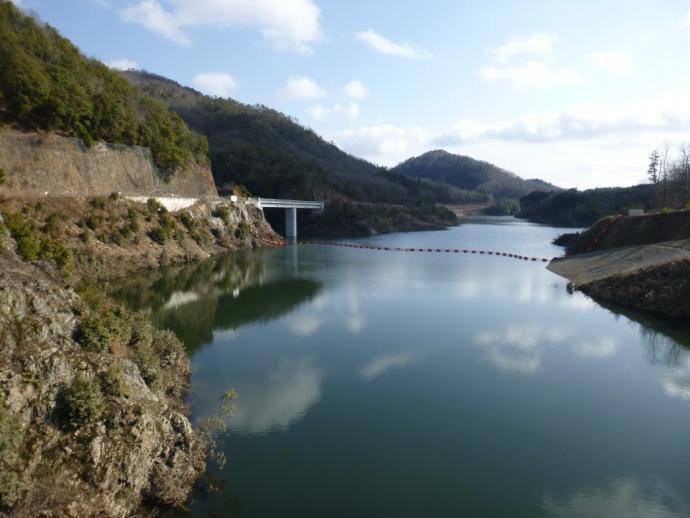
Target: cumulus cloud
(538, 45)
(320, 113)
(684, 24)
(531, 74)
(122, 64)
(381, 141)
(588, 121)
(618, 63)
(528, 62)
(216, 84)
(302, 89)
(287, 24)
(355, 90)
(153, 17)
(383, 45)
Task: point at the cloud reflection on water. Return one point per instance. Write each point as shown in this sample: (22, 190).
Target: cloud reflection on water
(626, 497)
(276, 402)
(378, 366)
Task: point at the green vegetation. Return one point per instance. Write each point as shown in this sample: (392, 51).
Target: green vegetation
(254, 148)
(46, 83)
(574, 208)
(2, 176)
(10, 439)
(83, 401)
(470, 175)
(33, 244)
(113, 384)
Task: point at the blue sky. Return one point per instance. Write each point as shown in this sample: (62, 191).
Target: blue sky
(577, 93)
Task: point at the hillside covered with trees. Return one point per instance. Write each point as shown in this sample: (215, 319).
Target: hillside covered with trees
(274, 156)
(47, 84)
(469, 174)
(573, 208)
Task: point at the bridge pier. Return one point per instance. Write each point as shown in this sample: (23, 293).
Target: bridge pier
(291, 223)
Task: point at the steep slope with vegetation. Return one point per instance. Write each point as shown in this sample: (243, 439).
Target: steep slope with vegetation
(273, 156)
(470, 175)
(47, 84)
(92, 419)
(573, 208)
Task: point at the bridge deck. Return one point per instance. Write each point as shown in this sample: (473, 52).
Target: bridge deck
(289, 204)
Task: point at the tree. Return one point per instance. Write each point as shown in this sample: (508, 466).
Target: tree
(653, 169)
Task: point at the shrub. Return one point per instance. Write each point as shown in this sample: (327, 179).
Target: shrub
(113, 383)
(223, 213)
(159, 235)
(3, 177)
(98, 203)
(58, 252)
(188, 220)
(24, 233)
(133, 221)
(83, 401)
(10, 439)
(154, 206)
(243, 230)
(89, 293)
(93, 334)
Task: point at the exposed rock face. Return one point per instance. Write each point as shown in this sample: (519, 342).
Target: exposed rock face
(36, 163)
(140, 452)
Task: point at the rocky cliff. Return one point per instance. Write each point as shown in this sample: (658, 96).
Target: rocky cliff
(39, 163)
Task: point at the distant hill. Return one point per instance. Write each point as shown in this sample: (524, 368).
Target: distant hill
(274, 156)
(469, 174)
(47, 84)
(573, 208)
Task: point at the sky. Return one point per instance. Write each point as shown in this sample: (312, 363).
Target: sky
(575, 93)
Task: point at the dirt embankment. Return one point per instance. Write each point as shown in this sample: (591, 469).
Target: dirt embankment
(640, 261)
(617, 231)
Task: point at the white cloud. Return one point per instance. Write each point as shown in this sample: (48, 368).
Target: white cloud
(528, 62)
(383, 45)
(380, 365)
(355, 90)
(587, 121)
(619, 63)
(122, 64)
(538, 45)
(382, 141)
(319, 112)
(531, 74)
(216, 84)
(154, 18)
(287, 24)
(685, 22)
(302, 89)
(349, 110)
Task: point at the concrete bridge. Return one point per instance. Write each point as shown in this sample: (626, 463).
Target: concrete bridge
(290, 207)
(174, 203)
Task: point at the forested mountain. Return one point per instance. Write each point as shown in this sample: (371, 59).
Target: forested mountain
(274, 156)
(573, 208)
(47, 84)
(469, 174)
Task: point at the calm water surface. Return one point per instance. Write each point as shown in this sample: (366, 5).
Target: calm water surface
(398, 384)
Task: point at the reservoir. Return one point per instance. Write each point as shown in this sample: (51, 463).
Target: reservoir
(383, 383)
